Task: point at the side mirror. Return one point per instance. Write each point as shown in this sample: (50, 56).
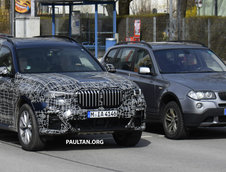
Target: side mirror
(4, 71)
(145, 71)
(110, 68)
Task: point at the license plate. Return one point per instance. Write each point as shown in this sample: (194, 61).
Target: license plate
(102, 114)
(224, 111)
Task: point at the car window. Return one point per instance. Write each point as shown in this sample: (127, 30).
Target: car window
(188, 61)
(143, 59)
(212, 64)
(109, 59)
(56, 59)
(124, 59)
(5, 58)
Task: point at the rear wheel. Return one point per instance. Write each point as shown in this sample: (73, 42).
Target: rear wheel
(28, 133)
(173, 123)
(127, 139)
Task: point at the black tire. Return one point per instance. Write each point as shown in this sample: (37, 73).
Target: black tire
(127, 139)
(172, 120)
(28, 132)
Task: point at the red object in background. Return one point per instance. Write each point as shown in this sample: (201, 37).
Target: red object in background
(133, 39)
(137, 24)
(136, 37)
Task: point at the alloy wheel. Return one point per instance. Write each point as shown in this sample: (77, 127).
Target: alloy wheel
(171, 121)
(25, 127)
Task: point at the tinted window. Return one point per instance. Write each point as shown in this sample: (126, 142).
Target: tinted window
(56, 59)
(124, 59)
(188, 60)
(110, 57)
(6, 58)
(143, 59)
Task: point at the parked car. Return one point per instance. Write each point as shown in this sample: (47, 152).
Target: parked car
(184, 83)
(53, 86)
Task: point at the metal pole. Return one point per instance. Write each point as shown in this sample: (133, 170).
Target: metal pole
(70, 13)
(171, 19)
(179, 19)
(127, 27)
(12, 18)
(114, 19)
(216, 7)
(53, 19)
(183, 29)
(96, 30)
(154, 29)
(209, 34)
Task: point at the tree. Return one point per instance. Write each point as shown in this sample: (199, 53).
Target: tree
(181, 12)
(124, 7)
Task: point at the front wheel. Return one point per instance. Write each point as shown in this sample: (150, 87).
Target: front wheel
(173, 123)
(127, 139)
(28, 133)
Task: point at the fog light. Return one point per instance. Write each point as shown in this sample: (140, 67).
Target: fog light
(199, 105)
(67, 114)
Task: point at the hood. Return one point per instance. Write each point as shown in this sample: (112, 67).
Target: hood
(73, 81)
(199, 81)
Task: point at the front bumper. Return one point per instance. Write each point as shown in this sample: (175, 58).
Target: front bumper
(213, 117)
(56, 125)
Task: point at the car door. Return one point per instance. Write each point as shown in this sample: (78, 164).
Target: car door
(150, 84)
(7, 90)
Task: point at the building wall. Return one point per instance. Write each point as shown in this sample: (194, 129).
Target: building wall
(142, 6)
(208, 8)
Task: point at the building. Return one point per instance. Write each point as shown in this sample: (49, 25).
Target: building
(208, 8)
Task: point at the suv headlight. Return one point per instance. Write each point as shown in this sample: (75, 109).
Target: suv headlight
(55, 94)
(59, 98)
(200, 95)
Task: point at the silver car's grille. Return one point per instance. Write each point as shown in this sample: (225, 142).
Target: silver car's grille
(91, 99)
(222, 95)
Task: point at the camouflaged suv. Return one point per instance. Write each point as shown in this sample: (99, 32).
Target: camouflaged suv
(53, 86)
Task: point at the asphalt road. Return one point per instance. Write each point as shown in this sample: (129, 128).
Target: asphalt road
(204, 151)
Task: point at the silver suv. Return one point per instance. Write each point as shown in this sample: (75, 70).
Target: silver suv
(184, 83)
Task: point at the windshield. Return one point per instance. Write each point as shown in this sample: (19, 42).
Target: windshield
(188, 61)
(56, 60)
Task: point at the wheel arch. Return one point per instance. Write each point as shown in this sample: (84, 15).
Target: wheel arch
(21, 101)
(168, 97)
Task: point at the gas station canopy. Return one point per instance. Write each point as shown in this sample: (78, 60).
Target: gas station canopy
(70, 3)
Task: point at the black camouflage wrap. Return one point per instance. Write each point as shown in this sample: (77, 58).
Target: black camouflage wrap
(39, 91)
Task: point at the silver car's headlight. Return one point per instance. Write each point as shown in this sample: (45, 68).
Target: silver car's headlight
(201, 95)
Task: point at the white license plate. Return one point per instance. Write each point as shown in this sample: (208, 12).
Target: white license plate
(102, 114)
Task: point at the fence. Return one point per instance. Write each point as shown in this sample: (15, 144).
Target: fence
(4, 18)
(207, 30)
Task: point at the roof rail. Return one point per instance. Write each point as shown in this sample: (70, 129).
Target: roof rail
(135, 42)
(189, 41)
(6, 37)
(57, 36)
